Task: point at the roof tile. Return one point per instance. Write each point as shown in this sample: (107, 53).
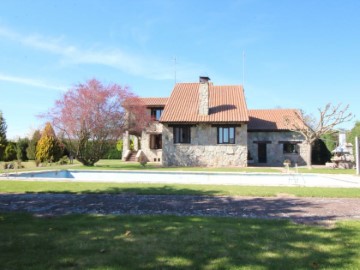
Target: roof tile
(155, 101)
(270, 119)
(226, 104)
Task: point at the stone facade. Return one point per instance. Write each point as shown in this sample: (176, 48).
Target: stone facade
(152, 155)
(203, 149)
(204, 98)
(274, 141)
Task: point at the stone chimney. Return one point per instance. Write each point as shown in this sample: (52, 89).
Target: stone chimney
(204, 96)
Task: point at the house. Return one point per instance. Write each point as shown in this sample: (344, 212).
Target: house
(202, 124)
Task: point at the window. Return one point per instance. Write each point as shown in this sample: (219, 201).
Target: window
(182, 134)
(155, 141)
(226, 135)
(156, 113)
(290, 148)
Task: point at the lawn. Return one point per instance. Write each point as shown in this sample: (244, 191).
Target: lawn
(12, 186)
(106, 164)
(168, 242)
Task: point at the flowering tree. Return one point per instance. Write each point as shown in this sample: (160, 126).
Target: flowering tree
(91, 115)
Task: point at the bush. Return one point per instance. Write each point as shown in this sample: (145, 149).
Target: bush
(48, 147)
(64, 160)
(10, 152)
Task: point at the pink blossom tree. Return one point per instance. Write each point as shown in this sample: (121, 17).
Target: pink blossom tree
(92, 115)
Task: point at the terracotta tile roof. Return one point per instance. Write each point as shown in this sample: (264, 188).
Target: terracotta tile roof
(226, 104)
(155, 101)
(270, 119)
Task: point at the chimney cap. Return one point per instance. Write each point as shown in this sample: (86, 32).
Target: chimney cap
(204, 79)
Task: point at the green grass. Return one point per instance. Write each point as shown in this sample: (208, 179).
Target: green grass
(327, 171)
(106, 164)
(12, 186)
(168, 242)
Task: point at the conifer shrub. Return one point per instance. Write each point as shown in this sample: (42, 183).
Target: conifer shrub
(48, 147)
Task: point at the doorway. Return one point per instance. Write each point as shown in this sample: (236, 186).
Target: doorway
(262, 153)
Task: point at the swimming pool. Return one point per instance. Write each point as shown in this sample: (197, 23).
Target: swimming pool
(210, 178)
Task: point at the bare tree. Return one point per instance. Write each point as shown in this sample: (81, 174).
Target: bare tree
(312, 128)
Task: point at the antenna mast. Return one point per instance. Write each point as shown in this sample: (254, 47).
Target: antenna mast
(243, 69)
(174, 70)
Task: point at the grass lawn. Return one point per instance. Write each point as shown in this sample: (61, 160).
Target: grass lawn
(168, 242)
(12, 186)
(106, 164)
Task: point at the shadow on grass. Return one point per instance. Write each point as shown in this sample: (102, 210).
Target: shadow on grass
(168, 242)
(49, 204)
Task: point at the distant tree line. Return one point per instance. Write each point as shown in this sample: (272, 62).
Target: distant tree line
(44, 147)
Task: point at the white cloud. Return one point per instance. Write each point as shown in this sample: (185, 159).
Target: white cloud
(131, 63)
(30, 82)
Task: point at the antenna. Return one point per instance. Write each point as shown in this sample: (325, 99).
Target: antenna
(174, 69)
(243, 67)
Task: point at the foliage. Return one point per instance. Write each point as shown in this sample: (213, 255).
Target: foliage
(119, 145)
(21, 146)
(320, 153)
(330, 140)
(3, 141)
(64, 160)
(10, 152)
(132, 145)
(355, 131)
(48, 148)
(92, 114)
(31, 149)
(113, 153)
(313, 128)
(170, 242)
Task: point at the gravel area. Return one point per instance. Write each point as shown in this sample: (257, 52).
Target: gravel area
(321, 211)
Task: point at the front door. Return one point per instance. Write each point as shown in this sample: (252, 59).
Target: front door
(262, 153)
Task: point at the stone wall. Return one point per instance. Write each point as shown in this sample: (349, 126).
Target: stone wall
(152, 155)
(204, 98)
(275, 155)
(203, 149)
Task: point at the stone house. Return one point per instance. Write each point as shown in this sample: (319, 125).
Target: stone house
(202, 124)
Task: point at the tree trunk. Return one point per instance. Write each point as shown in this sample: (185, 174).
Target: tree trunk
(308, 157)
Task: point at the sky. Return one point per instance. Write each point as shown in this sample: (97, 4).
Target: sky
(298, 54)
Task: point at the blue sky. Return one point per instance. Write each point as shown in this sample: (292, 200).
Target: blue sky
(298, 54)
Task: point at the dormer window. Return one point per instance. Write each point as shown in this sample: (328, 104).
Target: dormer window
(156, 113)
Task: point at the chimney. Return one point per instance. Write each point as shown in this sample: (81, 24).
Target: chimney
(204, 95)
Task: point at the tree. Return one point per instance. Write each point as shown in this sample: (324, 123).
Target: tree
(313, 128)
(331, 140)
(31, 149)
(21, 146)
(355, 131)
(92, 114)
(10, 152)
(3, 141)
(48, 147)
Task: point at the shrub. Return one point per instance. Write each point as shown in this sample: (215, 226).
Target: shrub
(31, 149)
(10, 152)
(21, 146)
(64, 160)
(48, 148)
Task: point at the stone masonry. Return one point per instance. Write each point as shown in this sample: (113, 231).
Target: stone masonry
(152, 155)
(204, 150)
(274, 147)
